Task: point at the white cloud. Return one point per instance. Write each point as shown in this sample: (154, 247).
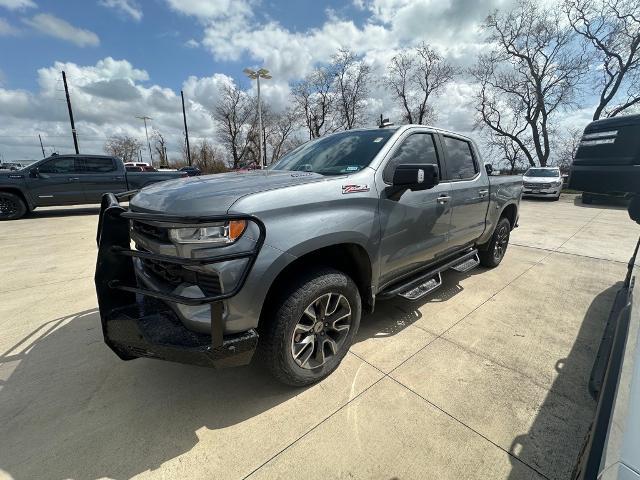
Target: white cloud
(128, 7)
(6, 29)
(192, 43)
(17, 4)
(212, 9)
(53, 26)
(106, 99)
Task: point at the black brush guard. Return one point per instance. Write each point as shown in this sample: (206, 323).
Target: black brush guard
(136, 321)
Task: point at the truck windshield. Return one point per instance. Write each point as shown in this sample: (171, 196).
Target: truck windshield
(345, 152)
(542, 172)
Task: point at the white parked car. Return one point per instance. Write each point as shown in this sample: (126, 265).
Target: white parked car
(542, 182)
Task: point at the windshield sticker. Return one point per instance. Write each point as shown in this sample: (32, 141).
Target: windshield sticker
(352, 168)
(354, 188)
(377, 140)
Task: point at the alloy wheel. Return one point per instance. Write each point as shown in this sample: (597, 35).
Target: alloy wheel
(502, 240)
(322, 331)
(8, 207)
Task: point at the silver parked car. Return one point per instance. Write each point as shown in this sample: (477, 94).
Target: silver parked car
(543, 182)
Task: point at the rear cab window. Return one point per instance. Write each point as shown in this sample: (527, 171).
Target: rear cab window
(461, 163)
(98, 165)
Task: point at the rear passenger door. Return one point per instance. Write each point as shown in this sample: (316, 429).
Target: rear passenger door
(414, 224)
(101, 175)
(469, 191)
(56, 182)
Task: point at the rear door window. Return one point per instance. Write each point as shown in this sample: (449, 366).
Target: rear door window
(460, 161)
(417, 148)
(98, 165)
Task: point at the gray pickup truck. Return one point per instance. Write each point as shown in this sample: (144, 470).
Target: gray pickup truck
(285, 260)
(69, 180)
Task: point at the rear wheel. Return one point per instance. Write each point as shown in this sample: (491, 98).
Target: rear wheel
(12, 206)
(311, 327)
(494, 251)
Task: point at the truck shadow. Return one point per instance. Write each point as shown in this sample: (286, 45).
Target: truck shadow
(608, 203)
(552, 444)
(69, 408)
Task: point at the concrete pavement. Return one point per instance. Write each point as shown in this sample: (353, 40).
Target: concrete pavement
(487, 378)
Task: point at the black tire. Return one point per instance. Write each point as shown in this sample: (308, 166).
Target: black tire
(494, 251)
(288, 318)
(12, 206)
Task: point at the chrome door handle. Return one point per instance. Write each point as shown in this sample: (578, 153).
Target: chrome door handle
(483, 193)
(443, 199)
(72, 179)
(118, 178)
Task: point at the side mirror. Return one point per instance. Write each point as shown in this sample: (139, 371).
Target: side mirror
(489, 168)
(634, 208)
(416, 176)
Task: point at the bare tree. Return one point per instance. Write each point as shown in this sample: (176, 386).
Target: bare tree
(416, 76)
(530, 75)
(235, 114)
(612, 29)
(567, 147)
(351, 87)
(509, 152)
(123, 147)
(160, 146)
(282, 137)
(315, 101)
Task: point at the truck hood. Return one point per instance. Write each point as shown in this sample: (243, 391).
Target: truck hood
(541, 179)
(213, 194)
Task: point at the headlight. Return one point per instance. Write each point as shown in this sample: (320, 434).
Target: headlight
(558, 183)
(216, 233)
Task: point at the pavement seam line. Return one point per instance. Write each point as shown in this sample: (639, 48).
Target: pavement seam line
(511, 369)
(471, 312)
(314, 427)
(467, 426)
(569, 253)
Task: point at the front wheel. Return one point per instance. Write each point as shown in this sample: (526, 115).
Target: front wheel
(12, 206)
(494, 251)
(312, 327)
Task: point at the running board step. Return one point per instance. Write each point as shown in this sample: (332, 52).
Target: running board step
(467, 264)
(420, 285)
(416, 293)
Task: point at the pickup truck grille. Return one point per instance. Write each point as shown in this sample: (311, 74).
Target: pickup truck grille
(151, 231)
(537, 185)
(174, 275)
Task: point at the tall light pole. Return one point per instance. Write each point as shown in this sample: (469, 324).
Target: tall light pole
(145, 118)
(257, 75)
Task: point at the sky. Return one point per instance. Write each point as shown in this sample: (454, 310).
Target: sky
(126, 58)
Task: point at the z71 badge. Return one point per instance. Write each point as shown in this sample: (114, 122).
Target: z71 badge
(354, 188)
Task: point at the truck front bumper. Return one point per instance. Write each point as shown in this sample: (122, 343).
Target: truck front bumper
(532, 191)
(136, 321)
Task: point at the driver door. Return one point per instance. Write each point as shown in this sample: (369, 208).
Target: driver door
(57, 182)
(414, 224)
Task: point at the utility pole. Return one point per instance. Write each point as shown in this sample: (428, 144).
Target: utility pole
(186, 130)
(42, 147)
(257, 75)
(145, 118)
(73, 125)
